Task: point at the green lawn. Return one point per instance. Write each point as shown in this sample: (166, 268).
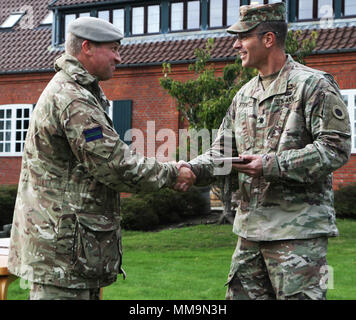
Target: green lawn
(192, 264)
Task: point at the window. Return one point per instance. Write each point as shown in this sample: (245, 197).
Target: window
(216, 13)
(48, 19)
(265, 1)
(232, 13)
(145, 19)
(153, 19)
(185, 15)
(350, 8)
(12, 20)
(193, 16)
(223, 13)
(115, 16)
(323, 9)
(14, 122)
(305, 10)
(138, 15)
(349, 97)
(105, 15)
(118, 19)
(68, 18)
(84, 14)
(177, 16)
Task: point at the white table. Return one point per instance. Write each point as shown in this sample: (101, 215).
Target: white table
(5, 276)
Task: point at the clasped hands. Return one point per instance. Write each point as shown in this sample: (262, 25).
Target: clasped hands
(186, 177)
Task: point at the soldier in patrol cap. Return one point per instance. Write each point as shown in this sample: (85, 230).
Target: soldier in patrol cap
(292, 127)
(66, 236)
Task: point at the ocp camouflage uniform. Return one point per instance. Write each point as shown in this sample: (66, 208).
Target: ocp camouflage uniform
(300, 126)
(66, 227)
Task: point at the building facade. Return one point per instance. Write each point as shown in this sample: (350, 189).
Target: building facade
(32, 33)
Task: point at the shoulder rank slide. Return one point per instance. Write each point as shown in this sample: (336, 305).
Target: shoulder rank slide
(93, 134)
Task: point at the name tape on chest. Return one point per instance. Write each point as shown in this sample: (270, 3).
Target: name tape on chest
(93, 134)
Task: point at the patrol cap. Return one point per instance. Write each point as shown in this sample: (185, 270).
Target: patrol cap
(252, 15)
(95, 29)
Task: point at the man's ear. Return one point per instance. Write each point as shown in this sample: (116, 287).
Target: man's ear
(269, 39)
(87, 47)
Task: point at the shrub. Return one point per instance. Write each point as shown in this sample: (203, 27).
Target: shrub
(7, 203)
(148, 211)
(345, 202)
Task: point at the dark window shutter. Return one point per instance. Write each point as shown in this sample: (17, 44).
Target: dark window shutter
(122, 113)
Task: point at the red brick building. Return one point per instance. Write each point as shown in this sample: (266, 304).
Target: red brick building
(32, 33)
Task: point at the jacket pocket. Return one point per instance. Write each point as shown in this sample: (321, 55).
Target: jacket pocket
(97, 246)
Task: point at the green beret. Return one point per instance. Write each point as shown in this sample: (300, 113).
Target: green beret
(251, 16)
(95, 29)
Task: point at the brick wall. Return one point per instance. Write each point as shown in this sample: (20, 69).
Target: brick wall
(150, 102)
(341, 66)
(346, 174)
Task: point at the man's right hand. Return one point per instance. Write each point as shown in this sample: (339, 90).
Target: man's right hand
(186, 177)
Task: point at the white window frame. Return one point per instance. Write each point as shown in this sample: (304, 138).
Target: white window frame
(351, 106)
(13, 130)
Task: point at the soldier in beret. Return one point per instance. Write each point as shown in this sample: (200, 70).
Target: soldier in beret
(66, 237)
(292, 127)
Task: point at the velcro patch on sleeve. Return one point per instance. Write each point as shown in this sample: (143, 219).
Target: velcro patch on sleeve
(93, 134)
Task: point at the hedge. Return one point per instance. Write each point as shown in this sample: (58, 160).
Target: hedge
(345, 202)
(7, 203)
(148, 211)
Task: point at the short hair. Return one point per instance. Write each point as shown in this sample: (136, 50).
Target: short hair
(73, 44)
(279, 28)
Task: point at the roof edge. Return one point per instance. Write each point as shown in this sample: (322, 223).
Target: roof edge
(133, 65)
(331, 51)
(52, 5)
(9, 72)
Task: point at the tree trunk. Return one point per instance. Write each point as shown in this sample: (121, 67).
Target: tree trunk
(226, 195)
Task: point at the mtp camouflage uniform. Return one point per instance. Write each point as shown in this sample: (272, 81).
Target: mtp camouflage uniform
(66, 227)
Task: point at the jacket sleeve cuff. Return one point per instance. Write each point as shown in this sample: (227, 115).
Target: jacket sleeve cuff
(270, 167)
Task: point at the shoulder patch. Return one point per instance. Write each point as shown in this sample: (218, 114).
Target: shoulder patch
(93, 134)
(338, 112)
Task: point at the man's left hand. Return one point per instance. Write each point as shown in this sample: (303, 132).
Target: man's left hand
(254, 167)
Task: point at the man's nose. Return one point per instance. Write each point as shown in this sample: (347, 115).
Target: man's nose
(237, 44)
(118, 58)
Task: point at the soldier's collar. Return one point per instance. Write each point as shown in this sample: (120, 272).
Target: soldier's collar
(75, 70)
(279, 85)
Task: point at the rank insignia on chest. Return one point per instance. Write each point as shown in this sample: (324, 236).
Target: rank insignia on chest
(93, 134)
(261, 121)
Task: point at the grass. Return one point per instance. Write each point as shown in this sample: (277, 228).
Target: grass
(192, 263)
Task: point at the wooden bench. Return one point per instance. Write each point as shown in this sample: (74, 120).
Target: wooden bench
(5, 276)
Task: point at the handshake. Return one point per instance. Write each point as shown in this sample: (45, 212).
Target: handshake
(186, 177)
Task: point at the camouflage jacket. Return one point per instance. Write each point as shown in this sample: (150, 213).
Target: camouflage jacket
(66, 227)
(300, 126)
